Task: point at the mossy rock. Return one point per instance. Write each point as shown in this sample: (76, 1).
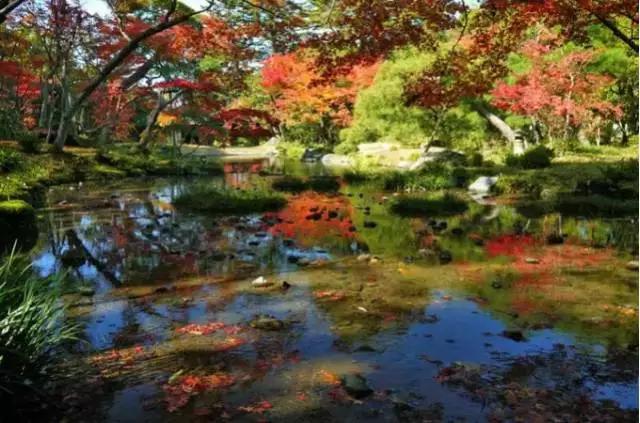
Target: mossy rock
(17, 224)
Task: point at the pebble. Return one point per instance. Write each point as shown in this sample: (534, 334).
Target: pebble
(261, 282)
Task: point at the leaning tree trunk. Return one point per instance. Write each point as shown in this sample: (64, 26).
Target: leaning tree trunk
(152, 118)
(502, 127)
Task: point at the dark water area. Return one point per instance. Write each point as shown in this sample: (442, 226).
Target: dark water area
(361, 315)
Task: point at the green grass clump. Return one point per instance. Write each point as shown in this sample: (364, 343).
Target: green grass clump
(31, 326)
(218, 200)
(10, 160)
(295, 184)
(439, 204)
(537, 157)
(30, 143)
(17, 225)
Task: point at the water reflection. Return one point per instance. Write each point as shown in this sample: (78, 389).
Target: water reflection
(398, 300)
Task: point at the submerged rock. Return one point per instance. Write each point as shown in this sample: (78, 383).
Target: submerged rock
(445, 257)
(514, 335)
(266, 322)
(364, 257)
(356, 385)
(86, 291)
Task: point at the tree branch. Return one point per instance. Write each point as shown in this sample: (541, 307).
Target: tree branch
(617, 32)
(8, 6)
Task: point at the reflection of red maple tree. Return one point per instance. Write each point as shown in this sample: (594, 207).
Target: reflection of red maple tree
(311, 216)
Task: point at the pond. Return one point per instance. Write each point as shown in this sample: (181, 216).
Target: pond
(359, 315)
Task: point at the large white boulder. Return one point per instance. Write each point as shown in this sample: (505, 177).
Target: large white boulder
(337, 160)
(483, 184)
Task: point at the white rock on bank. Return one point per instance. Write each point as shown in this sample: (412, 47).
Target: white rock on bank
(483, 184)
(337, 160)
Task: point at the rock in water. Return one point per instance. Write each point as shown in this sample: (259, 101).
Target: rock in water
(531, 260)
(266, 322)
(483, 184)
(445, 257)
(633, 265)
(261, 282)
(514, 335)
(356, 386)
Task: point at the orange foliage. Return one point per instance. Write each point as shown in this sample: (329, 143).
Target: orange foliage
(303, 95)
(306, 217)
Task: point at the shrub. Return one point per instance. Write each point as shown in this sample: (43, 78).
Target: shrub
(289, 184)
(218, 200)
(10, 160)
(534, 158)
(30, 143)
(476, 159)
(295, 184)
(434, 205)
(31, 324)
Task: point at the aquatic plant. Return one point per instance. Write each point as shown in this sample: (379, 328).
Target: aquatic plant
(439, 204)
(213, 199)
(31, 324)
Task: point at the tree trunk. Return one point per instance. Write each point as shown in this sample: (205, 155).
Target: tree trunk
(104, 73)
(152, 118)
(502, 127)
(8, 6)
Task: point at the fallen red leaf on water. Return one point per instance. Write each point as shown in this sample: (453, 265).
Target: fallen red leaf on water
(330, 295)
(201, 329)
(328, 377)
(178, 393)
(120, 358)
(257, 408)
(338, 394)
(230, 343)
(232, 330)
(301, 396)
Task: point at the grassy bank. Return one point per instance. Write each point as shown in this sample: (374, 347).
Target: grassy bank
(27, 175)
(217, 200)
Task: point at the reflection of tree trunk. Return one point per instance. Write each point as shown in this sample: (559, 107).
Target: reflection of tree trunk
(502, 127)
(73, 239)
